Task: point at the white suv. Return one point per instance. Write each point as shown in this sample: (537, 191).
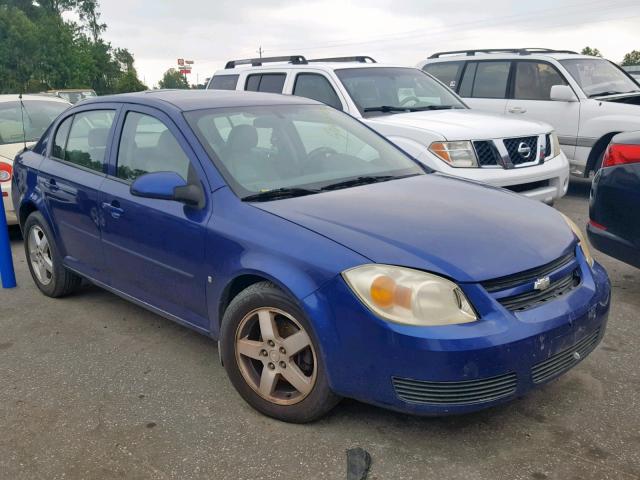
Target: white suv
(587, 99)
(420, 115)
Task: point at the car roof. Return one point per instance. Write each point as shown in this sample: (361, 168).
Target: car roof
(32, 97)
(187, 100)
(509, 56)
(324, 66)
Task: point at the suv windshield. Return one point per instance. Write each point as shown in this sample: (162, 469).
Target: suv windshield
(292, 150)
(384, 89)
(597, 76)
(37, 117)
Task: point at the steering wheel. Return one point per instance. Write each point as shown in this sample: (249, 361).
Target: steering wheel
(409, 99)
(316, 156)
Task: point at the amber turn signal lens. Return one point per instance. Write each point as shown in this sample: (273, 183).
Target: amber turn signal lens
(382, 291)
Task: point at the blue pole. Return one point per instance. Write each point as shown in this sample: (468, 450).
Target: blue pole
(7, 272)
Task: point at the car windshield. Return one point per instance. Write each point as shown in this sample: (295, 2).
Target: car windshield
(597, 76)
(383, 90)
(75, 97)
(37, 114)
(291, 150)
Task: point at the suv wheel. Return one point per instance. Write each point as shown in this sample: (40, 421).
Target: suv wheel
(272, 358)
(43, 258)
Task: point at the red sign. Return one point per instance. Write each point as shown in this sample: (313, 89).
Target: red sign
(181, 61)
(185, 72)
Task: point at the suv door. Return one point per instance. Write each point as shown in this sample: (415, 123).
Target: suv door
(156, 248)
(484, 84)
(70, 177)
(532, 82)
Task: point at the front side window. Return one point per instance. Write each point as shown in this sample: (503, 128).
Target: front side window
(382, 90)
(534, 80)
(259, 149)
(146, 146)
(86, 143)
(34, 115)
(265, 82)
(316, 87)
(224, 82)
(446, 72)
(597, 76)
(490, 80)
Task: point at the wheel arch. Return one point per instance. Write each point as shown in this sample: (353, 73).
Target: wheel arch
(597, 149)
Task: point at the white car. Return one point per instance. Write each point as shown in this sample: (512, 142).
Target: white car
(22, 123)
(419, 114)
(587, 99)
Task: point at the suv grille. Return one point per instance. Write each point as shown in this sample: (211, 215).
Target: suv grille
(455, 393)
(564, 269)
(487, 153)
(563, 361)
(518, 148)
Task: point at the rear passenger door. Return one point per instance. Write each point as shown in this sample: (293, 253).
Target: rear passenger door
(265, 82)
(156, 248)
(484, 85)
(70, 178)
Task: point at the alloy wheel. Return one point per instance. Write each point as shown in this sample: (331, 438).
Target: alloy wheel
(276, 356)
(40, 255)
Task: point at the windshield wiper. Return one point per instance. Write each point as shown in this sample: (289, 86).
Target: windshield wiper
(279, 193)
(386, 109)
(603, 94)
(433, 107)
(363, 180)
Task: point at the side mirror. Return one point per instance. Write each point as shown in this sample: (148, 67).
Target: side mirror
(562, 93)
(167, 186)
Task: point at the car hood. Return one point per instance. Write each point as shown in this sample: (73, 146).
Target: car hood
(463, 124)
(435, 223)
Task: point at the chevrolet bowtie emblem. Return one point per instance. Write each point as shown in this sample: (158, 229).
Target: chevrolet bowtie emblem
(542, 283)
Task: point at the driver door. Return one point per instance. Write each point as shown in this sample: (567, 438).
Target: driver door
(155, 248)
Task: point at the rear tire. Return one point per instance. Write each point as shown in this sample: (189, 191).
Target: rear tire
(44, 259)
(272, 358)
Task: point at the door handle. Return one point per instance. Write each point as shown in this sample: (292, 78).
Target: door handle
(53, 186)
(517, 110)
(113, 208)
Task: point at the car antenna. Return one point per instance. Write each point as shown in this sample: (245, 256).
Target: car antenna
(22, 110)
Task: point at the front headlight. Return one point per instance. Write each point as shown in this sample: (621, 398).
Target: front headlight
(555, 142)
(456, 154)
(582, 240)
(408, 296)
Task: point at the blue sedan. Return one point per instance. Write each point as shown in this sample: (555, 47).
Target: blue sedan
(325, 261)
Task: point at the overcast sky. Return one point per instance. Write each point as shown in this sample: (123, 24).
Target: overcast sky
(210, 32)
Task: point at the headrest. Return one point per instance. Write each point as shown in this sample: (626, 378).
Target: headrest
(242, 137)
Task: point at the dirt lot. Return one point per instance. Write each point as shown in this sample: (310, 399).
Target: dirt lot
(93, 387)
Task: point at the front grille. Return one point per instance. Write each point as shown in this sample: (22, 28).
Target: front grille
(486, 152)
(525, 301)
(563, 361)
(530, 275)
(527, 187)
(455, 393)
(514, 144)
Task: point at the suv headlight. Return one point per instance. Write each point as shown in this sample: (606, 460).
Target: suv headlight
(555, 145)
(457, 154)
(408, 296)
(582, 240)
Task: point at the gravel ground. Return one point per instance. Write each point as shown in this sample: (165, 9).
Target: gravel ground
(93, 387)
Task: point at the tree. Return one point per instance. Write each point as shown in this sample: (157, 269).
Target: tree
(631, 58)
(594, 52)
(172, 78)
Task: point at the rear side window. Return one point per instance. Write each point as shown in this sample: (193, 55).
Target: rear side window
(446, 72)
(316, 87)
(265, 82)
(146, 146)
(485, 80)
(534, 80)
(224, 82)
(86, 143)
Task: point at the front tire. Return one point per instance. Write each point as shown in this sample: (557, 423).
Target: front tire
(44, 259)
(272, 358)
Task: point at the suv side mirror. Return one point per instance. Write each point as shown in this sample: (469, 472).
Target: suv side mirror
(167, 186)
(562, 93)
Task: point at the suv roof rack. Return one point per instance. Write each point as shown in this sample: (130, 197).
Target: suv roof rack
(256, 62)
(519, 51)
(358, 58)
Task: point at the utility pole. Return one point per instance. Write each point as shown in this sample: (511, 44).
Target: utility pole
(260, 51)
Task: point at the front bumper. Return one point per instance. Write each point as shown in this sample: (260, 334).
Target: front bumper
(505, 354)
(546, 183)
